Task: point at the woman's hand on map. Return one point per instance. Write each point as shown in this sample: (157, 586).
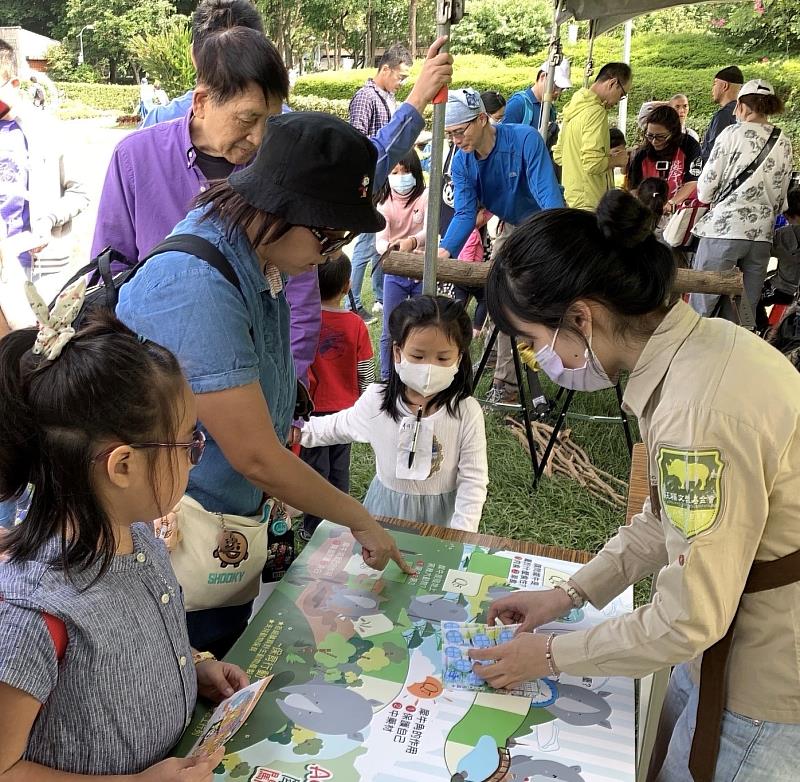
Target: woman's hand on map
(520, 660)
(217, 680)
(195, 769)
(530, 609)
(378, 547)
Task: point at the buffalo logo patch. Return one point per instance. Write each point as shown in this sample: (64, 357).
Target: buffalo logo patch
(690, 488)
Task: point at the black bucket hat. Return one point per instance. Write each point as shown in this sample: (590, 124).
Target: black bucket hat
(313, 169)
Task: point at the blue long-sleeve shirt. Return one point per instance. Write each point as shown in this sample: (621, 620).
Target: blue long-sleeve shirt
(513, 181)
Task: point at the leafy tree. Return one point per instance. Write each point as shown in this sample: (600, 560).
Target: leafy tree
(116, 25)
(761, 26)
(62, 65)
(45, 17)
(164, 54)
(503, 27)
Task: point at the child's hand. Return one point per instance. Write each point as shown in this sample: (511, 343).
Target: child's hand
(195, 769)
(217, 680)
(407, 245)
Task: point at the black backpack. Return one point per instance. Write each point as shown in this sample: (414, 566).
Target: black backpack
(104, 286)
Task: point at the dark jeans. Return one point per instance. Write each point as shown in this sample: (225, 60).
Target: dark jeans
(216, 630)
(332, 462)
(463, 294)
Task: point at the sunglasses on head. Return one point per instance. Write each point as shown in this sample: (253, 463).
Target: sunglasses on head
(330, 244)
(195, 448)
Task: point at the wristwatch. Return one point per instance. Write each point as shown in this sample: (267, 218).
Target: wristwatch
(199, 657)
(578, 601)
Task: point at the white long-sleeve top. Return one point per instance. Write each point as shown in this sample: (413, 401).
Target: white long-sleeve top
(457, 449)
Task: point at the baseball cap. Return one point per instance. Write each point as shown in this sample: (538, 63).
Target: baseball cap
(561, 78)
(463, 105)
(757, 87)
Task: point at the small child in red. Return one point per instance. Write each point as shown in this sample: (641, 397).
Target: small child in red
(342, 369)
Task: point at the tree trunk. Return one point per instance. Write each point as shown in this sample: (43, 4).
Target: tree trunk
(327, 53)
(412, 27)
(473, 275)
(112, 71)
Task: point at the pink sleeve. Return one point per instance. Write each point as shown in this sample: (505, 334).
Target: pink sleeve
(473, 249)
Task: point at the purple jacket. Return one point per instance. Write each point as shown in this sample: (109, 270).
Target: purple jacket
(153, 178)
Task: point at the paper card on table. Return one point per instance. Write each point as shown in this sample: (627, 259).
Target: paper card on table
(228, 717)
(374, 624)
(463, 582)
(357, 567)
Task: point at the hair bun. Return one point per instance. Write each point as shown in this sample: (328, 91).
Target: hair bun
(623, 220)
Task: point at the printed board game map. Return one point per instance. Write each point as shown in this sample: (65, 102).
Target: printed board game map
(356, 692)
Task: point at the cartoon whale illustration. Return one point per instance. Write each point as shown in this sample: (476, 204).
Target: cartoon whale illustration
(578, 706)
(523, 767)
(435, 608)
(328, 709)
(353, 603)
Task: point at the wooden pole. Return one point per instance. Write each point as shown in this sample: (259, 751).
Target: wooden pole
(473, 275)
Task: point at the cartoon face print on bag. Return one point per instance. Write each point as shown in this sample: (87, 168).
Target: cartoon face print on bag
(231, 548)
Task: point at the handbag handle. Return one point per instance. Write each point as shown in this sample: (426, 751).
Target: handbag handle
(752, 168)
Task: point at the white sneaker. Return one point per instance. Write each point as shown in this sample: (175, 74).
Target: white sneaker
(377, 308)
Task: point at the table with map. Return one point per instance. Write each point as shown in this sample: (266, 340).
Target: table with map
(357, 694)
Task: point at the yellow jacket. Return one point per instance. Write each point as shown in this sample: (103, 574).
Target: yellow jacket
(583, 151)
(724, 461)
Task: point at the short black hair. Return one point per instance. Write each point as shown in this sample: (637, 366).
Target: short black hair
(492, 101)
(230, 60)
(616, 138)
(211, 16)
(8, 60)
(653, 192)
(334, 277)
(395, 56)
(793, 199)
(615, 70)
(449, 316)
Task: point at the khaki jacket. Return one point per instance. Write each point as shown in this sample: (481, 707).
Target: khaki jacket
(719, 411)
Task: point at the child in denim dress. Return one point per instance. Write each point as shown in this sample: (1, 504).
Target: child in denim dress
(97, 676)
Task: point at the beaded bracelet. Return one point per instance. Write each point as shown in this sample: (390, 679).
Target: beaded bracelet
(548, 653)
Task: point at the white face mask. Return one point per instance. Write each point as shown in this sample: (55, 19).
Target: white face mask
(425, 379)
(402, 183)
(590, 377)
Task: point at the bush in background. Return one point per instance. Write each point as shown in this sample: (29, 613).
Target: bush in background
(106, 97)
(62, 66)
(165, 57)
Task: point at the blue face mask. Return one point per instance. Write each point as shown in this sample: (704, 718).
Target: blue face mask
(402, 184)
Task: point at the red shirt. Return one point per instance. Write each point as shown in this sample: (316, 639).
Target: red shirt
(333, 377)
(679, 166)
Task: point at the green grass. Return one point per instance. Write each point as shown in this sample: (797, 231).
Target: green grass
(559, 512)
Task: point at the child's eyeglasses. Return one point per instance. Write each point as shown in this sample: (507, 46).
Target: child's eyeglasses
(329, 244)
(194, 448)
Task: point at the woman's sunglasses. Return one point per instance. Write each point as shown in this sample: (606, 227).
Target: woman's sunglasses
(330, 244)
(195, 448)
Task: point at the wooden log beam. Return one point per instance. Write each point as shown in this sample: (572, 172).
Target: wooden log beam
(473, 275)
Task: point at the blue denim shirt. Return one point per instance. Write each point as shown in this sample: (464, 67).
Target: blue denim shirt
(222, 339)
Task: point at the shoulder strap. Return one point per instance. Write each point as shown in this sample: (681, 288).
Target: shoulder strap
(200, 248)
(753, 167)
(58, 632)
